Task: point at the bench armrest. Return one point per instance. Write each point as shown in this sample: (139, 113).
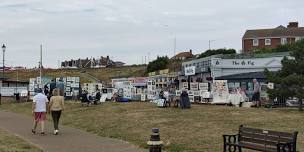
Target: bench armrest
(231, 138)
(286, 147)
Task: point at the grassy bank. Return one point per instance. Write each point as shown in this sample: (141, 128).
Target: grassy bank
(197, 129)
(11, 143)
(104, 74)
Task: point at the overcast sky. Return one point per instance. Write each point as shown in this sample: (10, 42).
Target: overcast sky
(127, 30)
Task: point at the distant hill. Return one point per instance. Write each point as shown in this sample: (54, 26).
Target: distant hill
(103, 74)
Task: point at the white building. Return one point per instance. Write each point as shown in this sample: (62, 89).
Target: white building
(224, 65)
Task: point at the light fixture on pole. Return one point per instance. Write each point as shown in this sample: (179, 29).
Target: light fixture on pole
(3, 67)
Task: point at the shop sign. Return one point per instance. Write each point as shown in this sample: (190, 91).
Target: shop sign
(190, 70)
(243, 63)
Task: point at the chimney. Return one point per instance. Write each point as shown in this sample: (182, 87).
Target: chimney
(108, 57)
(293, 24)
(190, 51)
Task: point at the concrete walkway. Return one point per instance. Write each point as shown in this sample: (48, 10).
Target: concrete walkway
(69, 139)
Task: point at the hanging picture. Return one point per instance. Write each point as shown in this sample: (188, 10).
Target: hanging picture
(194, 86)
(191, 98)
(72, 79)
(38, 80)
(190, 93)
(68, 94)
(220, 91)
(196, 93)
(77, 79)
(178, 92)
(203, 86)
(185, 85)
(68, 78)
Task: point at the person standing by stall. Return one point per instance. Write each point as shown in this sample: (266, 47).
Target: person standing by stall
(56, 106)
(60, 85)
(184, 100)
(256, 93)
(52, 86)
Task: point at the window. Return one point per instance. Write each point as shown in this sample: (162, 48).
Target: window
(267, 41)
(283, 40)
(255, 42)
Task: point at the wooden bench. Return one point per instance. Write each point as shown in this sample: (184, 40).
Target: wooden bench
(260, 140)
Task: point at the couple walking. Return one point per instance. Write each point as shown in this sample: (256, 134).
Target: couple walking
(41, 107)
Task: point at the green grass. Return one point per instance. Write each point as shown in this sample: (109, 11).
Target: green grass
(197, 129)
(12, 143)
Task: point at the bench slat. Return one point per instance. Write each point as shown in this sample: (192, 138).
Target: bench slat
(269, 132)
(258, 141)
(254, 146)
(258, 147)
(266, 137)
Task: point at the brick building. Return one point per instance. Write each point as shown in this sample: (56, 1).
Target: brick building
(271, 38)
(183, 55)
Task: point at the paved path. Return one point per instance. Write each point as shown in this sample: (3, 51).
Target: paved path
(70, 139)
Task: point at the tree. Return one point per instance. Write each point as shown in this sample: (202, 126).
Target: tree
(218, 51)
(159, 64)
(290, 79)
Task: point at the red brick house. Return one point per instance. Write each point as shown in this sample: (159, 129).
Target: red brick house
(271, 38)
(183, 55)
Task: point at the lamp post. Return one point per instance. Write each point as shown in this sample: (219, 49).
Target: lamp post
(3, 50)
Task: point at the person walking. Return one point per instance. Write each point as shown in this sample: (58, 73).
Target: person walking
(56, 106)
(39, 110)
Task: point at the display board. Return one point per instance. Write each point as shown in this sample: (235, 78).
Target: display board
(36, 83)
(203, 87)
(194, 86)
(72, 86)
(185, 85)
(220, 91)
(92, 87)
(151, 90)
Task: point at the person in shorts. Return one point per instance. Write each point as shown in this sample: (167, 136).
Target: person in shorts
(39, 110)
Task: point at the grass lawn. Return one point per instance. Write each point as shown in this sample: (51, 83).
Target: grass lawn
(197, 129)
(11, 143)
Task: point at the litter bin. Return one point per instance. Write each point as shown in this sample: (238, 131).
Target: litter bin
(17, 96)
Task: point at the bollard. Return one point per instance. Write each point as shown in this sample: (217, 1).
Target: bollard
(155, 144)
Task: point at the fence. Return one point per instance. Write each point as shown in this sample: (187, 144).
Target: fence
(279, 102)
(10, 91)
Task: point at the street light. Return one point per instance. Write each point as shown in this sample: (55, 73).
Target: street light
(3, 49)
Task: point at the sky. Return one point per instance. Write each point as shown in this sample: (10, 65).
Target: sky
(129, 30)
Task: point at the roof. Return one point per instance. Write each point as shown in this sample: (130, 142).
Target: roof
(184, 54)
(250, 75)
(280, 31)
